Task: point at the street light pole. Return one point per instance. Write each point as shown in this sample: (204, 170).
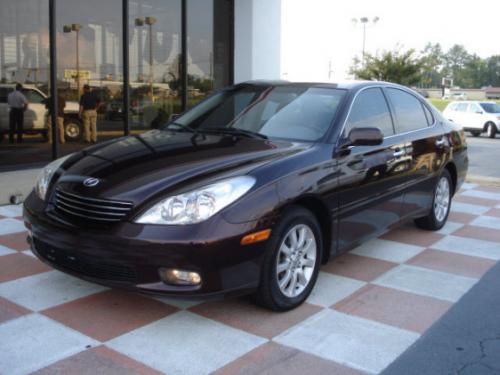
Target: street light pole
(365, 21)
(76, 28)
(150, 21)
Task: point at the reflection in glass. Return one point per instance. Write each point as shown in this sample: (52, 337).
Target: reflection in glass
(24, 46)
(155, 36)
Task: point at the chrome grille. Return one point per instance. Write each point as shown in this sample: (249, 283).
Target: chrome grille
(101, 210)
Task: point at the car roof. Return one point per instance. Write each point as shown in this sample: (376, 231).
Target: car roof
(346, 85)
(13, 85)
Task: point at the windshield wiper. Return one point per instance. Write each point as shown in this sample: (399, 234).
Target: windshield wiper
(236, 131)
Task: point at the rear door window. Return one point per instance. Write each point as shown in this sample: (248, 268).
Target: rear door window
(370, 109)
(33, 96)
(408, 110)
(462, 107)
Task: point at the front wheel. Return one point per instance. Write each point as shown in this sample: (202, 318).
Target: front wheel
(441, 203)
(291, 265)
(475, 133)
(491, 130)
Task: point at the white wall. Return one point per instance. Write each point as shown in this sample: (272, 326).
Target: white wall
(257, 39)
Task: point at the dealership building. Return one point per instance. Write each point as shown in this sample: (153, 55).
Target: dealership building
(145, 59)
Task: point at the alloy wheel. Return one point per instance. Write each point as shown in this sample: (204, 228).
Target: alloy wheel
(442, 199)
(296, 260)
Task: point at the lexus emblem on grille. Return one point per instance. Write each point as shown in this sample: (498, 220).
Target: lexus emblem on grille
(91, 181)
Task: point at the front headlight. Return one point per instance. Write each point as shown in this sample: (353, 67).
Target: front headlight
(198, 205)
(45, 176)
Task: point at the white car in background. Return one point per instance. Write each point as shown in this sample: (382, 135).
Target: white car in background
(35, 119)
(455, 96)
(475, 117)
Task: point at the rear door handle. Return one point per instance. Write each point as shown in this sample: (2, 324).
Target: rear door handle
(398, 154)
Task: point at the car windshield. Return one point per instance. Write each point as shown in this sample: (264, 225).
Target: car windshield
(294, 112)
(491, 107)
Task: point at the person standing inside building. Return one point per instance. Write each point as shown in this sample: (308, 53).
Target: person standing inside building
(18, 104)
(88, 113)
(61, 104)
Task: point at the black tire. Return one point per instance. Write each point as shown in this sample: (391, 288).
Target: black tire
(491, 130)
(475, 133)
(431, 221)
(269, 294)
(73, 129)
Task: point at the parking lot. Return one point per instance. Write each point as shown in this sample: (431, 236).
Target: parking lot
(367, 308)
(484, 153)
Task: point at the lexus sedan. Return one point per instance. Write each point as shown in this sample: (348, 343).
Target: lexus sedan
(250, 191)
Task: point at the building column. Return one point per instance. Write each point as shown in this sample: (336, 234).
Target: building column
(257, 39)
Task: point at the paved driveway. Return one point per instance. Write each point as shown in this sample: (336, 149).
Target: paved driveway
(484, 154)
(368, 307)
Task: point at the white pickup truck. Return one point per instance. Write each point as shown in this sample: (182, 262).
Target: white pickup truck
(35, 117)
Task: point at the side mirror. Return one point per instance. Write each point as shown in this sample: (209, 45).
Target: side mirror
(365, 137)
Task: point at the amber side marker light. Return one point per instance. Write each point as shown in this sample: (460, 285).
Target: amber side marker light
(256, 237)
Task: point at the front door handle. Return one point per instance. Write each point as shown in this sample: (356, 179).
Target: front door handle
(398, 154)
(440, 142)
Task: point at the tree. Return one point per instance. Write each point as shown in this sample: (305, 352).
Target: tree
(391, 66)
(493, 71)
(432, 59)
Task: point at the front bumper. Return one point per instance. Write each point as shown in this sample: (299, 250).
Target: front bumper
(129, 255)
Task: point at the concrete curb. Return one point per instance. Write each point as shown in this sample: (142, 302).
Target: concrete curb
(483, 180)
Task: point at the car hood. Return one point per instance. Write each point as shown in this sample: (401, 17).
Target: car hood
(139, 168)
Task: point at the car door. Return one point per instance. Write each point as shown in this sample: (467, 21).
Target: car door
(425, 148)
(370, 186)
(461, 115)
(475, 116)
(4, 108)
(34, 117)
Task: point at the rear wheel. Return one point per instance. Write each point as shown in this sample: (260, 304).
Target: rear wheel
(491, 130)
(291, 265)
(73, 129)
(441, 203)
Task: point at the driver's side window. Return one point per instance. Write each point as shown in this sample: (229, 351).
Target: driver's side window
(370, 109)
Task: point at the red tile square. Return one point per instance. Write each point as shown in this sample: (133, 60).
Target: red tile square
(15, 266)
(272, 358)
(396, 308)
(411, 235)
(480, 233)
(358, 267)
(453, 263)
(461, 217)
(475, 200)
(9, 310)
(495, 212)
(108, 314)
(100, 360)
(245, 315)
(16, 241)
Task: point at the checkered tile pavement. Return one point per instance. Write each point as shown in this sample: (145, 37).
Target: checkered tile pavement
(367, 308)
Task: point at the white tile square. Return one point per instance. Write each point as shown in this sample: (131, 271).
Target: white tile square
(468, 185)
(469, 246)
(186, 343)
(6, 251)
(330, 289)
(482, 194)
(46, 290)
(359, 343)
(10, 226)
(29, 253)
(450, 227)
(487, 222)
(426, 282)
(11, 210)
(467, 208)
(391, 251)
(34, 341)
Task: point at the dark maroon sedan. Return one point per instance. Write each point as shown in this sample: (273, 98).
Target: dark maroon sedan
(250, 191)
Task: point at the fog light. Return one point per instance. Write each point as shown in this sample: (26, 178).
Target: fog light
(179, 277)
